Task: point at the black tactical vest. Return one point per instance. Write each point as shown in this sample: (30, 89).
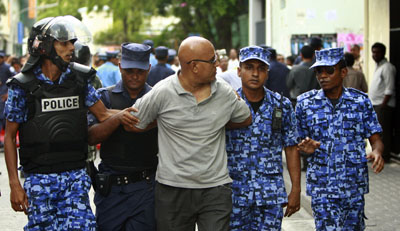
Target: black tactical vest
(129, 151)
(54, 138)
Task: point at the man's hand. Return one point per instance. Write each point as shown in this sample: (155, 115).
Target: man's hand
(19, 199)
(126, 118)
(378, 163)
(308, 145)
(293, 204)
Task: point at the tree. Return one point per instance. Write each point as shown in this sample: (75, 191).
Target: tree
(64, 7)
(212, 19)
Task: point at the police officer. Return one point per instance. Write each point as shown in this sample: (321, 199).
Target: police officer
(124, 196)
(333, 123)
(150, 43)
(255, 152)
(47, 104)
(160, 71)
(109, 72)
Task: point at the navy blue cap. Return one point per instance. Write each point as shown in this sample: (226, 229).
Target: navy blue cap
(148, 42)
(112, 54)
(135, 55)
(254, 52)
(172, 52)
(2, 54)
(161, 52)
(328, 57)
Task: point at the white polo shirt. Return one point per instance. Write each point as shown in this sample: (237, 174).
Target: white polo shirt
(383, 83)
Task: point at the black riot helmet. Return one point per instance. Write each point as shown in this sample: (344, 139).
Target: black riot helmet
(82, 53)
(46, 31)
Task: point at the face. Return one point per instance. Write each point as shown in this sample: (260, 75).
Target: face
(133, 78)
(204, 65)
(330, 77)
(65, 50)
(232, 54)
(223, 64)
(355, 51)
(377, 54)
(280, 58)
(253, 73)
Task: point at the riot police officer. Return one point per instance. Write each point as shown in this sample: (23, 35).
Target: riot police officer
(125, 183)
(48, 104)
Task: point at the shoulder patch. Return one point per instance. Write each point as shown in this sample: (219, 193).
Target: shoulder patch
(306, 95)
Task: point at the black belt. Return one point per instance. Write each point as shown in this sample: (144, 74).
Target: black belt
(131, 178)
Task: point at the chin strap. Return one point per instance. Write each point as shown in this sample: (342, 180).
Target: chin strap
(57, 60)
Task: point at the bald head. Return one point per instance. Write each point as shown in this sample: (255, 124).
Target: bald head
(194, 48)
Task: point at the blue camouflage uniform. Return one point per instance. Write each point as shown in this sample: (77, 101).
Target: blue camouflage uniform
(337, 172)
(255, 165)
(109, 74)
(57, 201)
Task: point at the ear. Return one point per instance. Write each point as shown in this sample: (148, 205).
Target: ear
(195, 69)
(343, 72)
(239, 71)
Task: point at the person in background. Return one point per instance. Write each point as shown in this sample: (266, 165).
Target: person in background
(150, 43)
(5, 74)
(280, 58)
(333, 123)
(290, 61)
(109, 72)
(358, 60)
(171, 57)
(354, 78)
(383, 95)
(233, 62)
(316, 44)
(277, 75)
(160, 71)
(255, 152)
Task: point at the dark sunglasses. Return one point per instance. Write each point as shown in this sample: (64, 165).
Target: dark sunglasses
(213, 60)
(327, 69)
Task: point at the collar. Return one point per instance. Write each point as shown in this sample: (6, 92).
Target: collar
(346, 95)
(180, 90)
(267, 95)
(39, 74)
(384, 60)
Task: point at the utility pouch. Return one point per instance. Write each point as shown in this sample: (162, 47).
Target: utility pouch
(103, 184)
(277, 117)
(92, 171)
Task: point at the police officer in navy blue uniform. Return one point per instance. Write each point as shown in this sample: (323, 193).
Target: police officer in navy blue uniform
(160, 71)
(47, 103)
(124, 185)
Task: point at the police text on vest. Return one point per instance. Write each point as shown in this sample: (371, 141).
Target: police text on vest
(60, 104)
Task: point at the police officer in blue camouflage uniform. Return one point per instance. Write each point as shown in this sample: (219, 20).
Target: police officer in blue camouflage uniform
(47, 103)
(125, 183)
(109, 72)
(255, 152)
(333, 123)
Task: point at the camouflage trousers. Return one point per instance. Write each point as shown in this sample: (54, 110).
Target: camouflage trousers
(268, 217)
(345, 214)
(59, 201)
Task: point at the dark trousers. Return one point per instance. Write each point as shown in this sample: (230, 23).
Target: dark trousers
(179, 209)
(386, 120)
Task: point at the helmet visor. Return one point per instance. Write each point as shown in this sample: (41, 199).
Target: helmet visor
(66, 28)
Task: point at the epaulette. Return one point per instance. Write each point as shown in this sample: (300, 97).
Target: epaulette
(356, 91)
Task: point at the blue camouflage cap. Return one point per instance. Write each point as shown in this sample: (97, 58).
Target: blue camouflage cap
(328, 57)
(254, 52)
(135, 55)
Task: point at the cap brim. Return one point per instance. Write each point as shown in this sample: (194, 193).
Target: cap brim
(325, 63)
(250, 58)
(125, 64)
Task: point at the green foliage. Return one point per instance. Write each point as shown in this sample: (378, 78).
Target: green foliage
(2, 9)
(65, 7)
(212, 19)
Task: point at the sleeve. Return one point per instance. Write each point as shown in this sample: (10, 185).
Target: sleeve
(389, 74)
(290, 134)
(240, 110)
(290, 79)
(15, 107)
(148, 107)
(301, 122)
(364, 85)
(92, 96)
(371, 124)
(104, 97)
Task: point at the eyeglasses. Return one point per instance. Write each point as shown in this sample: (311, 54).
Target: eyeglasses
(327, 69)
(213, 60)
